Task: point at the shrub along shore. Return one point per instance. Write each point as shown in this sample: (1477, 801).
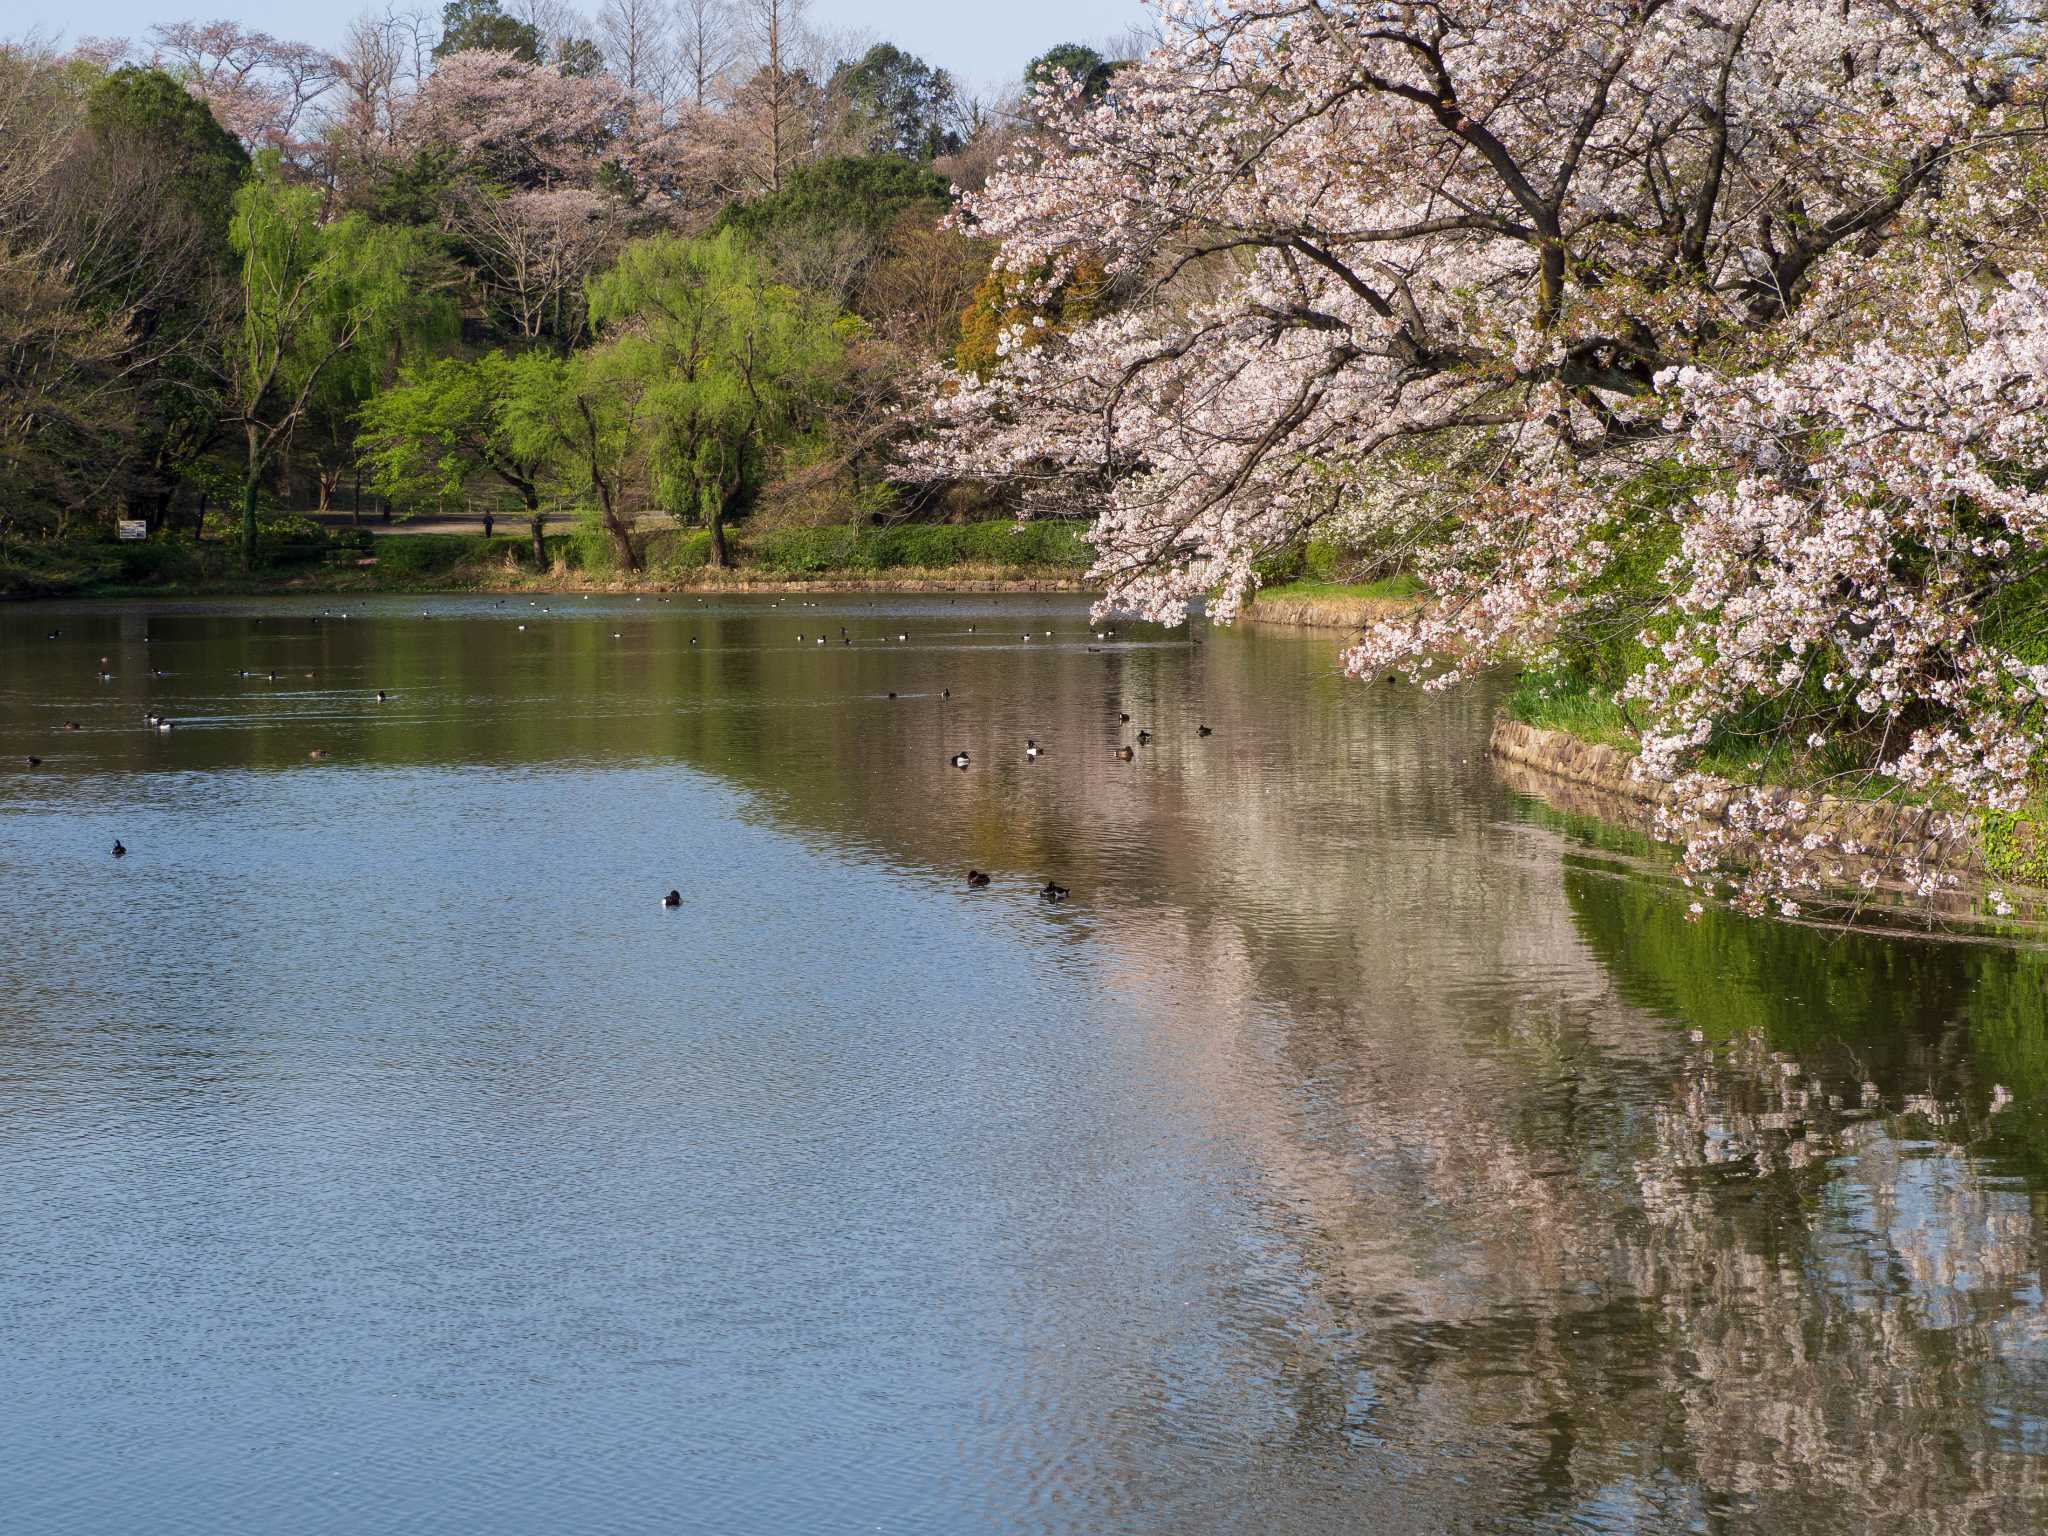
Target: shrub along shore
(978, 556)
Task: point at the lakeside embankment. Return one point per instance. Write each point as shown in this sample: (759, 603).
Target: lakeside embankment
(1332, 604)
(970, 557)
(1594, 779)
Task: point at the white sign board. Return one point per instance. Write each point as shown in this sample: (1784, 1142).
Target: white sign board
(134, 528)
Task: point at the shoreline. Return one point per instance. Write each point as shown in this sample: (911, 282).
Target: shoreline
(349, 581)
(1592, 780)
(1310, 609)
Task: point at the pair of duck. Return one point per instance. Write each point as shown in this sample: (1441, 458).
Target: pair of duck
(1052, 891)
(961, 759)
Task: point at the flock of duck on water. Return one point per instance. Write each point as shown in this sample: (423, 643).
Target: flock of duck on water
(977, 879)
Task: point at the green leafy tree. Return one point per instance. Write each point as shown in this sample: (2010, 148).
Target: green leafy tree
(1076, 59)
(867, 193)
(730, 364)
(448, 420)
(153, 178)
(581, 418)
(833, 221)
(579, 58)
(900, 103)
(322, 305)
(472, 24)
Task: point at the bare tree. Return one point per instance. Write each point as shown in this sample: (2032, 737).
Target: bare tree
(706, 48)
(775, 111)
(638, 47)
(536, 250)
(262, 88)
(374, 63)
(555, 22)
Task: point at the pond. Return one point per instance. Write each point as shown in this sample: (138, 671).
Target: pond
(1357, 1148)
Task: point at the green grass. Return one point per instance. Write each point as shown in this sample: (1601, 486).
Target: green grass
(1554, 702)
(1388, 588)
(1564, 701)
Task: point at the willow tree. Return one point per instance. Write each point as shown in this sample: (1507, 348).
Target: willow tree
(732, 364)
(448, 420)
(322, 305)
(580, 418)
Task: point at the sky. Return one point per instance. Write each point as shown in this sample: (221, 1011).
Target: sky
(981, 42)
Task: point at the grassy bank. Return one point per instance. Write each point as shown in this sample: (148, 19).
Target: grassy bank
(987, 554)
(1334, 604)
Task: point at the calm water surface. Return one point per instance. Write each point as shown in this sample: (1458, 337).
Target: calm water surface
(1360, 1149)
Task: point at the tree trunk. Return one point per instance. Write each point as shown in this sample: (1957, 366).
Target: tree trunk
(249, 478)
(719, 557)
(249, 522)
(622, 539)
(540, 548)
(355, 502)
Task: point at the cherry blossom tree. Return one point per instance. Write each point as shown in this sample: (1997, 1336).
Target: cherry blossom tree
(526, 127)
(1464, 278)
(264, 89)
(535, 250)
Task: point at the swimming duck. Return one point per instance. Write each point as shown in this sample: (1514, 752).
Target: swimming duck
(1030, 748)
(106, 677)
(892, 695)
(1203, 730)
(1053, 892)
(1125, 754)
(903, 637)
(163, 724)
(672, 899)
(976, 878)
(380, 696)
(1123, 719)
(71, 725)
(35, 762)
(119, 851)
(316, 755)
(959, 759)
(1144, 738)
